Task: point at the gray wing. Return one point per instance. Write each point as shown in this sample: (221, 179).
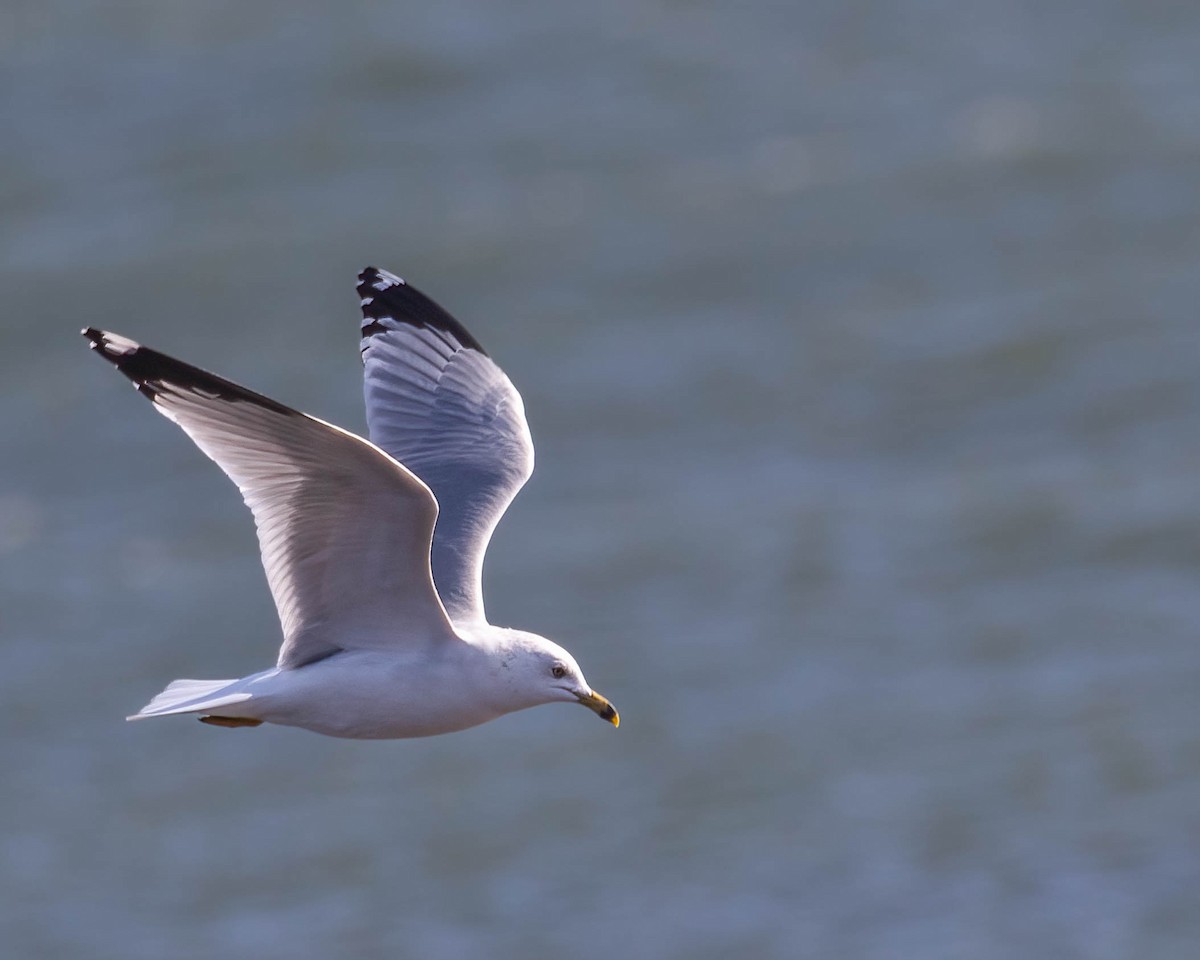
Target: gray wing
(344, 529)
(439, 405)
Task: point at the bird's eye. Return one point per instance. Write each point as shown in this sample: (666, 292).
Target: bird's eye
(558, 671)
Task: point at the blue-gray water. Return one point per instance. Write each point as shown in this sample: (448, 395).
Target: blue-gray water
(861, 346)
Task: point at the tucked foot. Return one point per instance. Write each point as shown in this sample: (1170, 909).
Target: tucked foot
(231, 721)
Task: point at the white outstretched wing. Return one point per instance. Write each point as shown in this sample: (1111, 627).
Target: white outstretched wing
(344, 529)
(439, 405)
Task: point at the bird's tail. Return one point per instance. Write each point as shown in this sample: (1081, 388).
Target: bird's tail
(192, 696)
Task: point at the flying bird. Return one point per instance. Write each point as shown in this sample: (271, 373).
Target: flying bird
(373, 549)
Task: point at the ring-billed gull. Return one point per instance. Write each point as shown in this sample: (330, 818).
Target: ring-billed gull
(373, 550)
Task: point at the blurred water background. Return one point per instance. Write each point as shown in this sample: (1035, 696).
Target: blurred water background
(860, 345)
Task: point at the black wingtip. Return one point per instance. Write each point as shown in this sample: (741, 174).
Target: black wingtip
(387, 297)
(113, 347)
(153, 372)
(372, 275)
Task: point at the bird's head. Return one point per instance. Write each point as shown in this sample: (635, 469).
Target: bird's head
(537, 670)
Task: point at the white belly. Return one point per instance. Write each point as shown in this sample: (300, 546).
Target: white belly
(365, 695)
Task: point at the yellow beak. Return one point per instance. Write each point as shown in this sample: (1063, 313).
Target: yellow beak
(601, 707)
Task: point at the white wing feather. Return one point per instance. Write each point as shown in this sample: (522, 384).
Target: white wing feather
(439, 405)
(344, 529)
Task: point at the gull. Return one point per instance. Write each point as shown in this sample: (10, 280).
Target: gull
(373, 549)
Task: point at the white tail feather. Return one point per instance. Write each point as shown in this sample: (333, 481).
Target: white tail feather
(191, 696)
